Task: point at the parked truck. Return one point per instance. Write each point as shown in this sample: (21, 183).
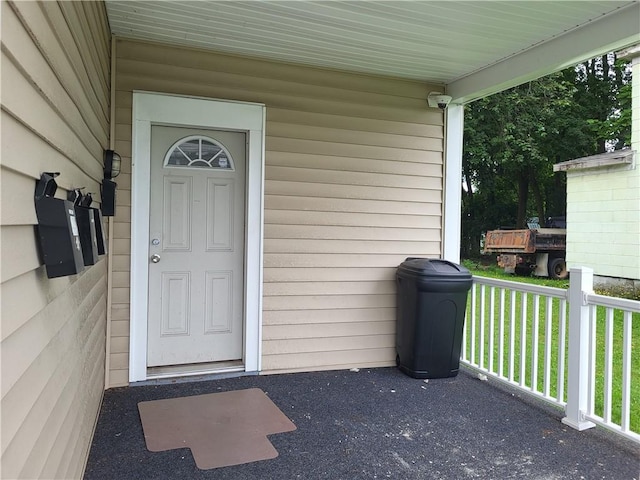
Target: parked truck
(537, 251)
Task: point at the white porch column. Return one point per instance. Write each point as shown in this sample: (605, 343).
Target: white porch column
(633, 54)
(578, 371)
(452, 209)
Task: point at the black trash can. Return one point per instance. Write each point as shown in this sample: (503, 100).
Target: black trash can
(431, 304)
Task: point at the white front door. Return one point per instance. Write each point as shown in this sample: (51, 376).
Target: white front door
(212, 119)
(196, 246)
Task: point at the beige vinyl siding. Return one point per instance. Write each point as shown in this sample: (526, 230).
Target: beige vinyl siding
(55, 84)
(353, 185)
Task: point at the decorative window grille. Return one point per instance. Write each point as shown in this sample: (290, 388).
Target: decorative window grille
(198, 151)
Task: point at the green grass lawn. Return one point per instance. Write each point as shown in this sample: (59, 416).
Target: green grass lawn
(513, 335)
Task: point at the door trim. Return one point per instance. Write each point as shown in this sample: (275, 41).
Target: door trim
(176, 110)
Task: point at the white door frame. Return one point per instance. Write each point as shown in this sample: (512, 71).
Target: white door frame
(176, 110)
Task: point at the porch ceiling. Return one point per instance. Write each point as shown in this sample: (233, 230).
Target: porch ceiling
(471, 48)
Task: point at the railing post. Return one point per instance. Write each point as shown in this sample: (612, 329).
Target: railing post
(580, 284)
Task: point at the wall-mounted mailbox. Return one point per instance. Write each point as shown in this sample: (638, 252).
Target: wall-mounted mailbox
(86, 226)
(57, 229)
(100, 233)
(88, 239)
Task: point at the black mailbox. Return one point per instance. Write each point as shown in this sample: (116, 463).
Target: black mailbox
(86, 226)
(100, 234)
(88, 240)
(57, 229)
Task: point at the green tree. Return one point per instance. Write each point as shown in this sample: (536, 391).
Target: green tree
(603, 94)
(506, 155)
(513, 138)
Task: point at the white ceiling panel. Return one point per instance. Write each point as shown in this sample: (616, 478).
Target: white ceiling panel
(440, 42)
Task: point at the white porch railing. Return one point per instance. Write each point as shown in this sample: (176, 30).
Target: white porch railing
(569, 347)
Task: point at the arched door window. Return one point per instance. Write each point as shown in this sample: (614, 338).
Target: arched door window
(198, 151)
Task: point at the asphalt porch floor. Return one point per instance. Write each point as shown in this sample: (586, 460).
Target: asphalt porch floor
(372, 424)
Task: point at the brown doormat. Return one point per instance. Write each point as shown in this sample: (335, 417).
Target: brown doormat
(221, 429)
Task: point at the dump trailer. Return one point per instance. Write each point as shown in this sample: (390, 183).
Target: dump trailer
(537, 251)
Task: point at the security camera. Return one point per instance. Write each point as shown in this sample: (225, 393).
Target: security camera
(440, 100)
(443, 101)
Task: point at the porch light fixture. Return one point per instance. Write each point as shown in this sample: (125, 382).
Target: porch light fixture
(112, 164)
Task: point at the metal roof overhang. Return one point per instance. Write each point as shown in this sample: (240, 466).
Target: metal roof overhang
(470, 49)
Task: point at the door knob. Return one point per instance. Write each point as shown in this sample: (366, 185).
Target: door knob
(155, 258)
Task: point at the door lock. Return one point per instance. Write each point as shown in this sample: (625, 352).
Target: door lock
(155, 258)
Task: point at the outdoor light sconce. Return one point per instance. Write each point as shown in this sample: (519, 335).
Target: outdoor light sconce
(112, 166)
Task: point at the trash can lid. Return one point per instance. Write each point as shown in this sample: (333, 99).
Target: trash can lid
(430, 267)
